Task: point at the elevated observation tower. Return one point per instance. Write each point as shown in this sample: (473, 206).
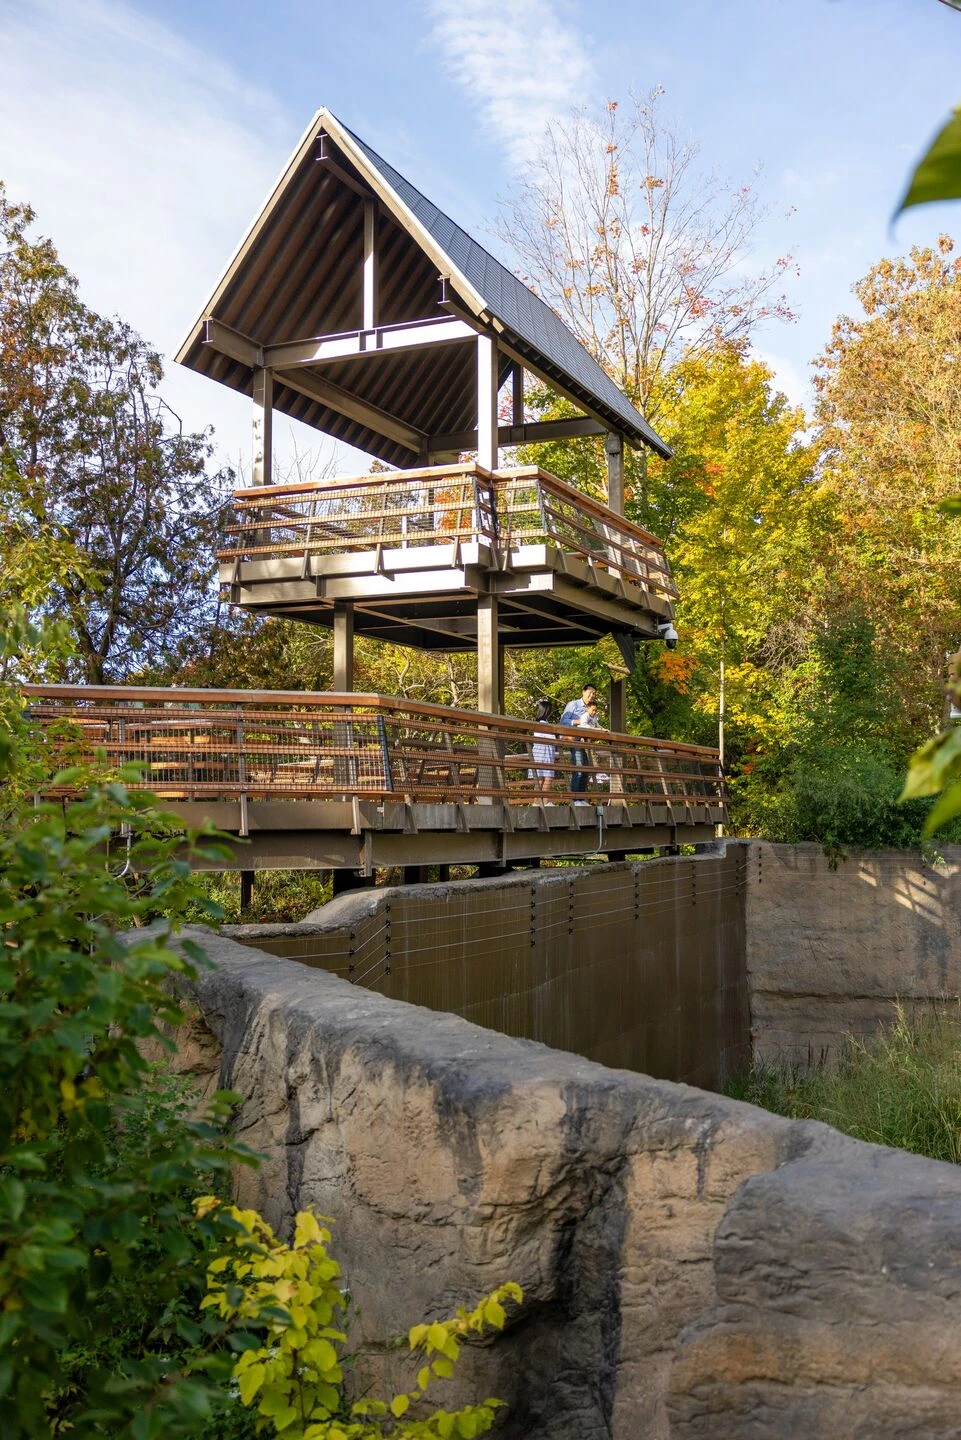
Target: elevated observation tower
(355, 305)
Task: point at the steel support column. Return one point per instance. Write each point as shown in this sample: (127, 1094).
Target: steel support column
(261, 471)
(614, 450)
(370, 266)
(489, 670)
(343, 646)
(487, 438)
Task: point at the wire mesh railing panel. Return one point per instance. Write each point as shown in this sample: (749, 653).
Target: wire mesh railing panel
(196, 744)
(538, 508)
(411, 509)
(397, 512)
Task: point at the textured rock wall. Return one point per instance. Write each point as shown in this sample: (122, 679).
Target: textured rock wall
(636, 965)
(693, 1267)
(830, 952)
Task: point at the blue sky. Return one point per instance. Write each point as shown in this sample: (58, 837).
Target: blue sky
(147, 134)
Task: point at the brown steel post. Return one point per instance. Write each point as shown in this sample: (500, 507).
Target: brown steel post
(343, 646)
(614, 449)
(261, 471)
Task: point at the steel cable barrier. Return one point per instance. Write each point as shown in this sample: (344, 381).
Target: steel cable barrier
(286, 744)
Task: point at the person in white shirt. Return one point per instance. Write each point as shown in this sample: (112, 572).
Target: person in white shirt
(572, 713)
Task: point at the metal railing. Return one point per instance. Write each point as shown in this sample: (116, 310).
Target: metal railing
(398, 510)
(195, 744)
(534, 507)
(441, 505)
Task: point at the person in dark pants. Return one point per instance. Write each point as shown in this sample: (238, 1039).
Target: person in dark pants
(573, 711)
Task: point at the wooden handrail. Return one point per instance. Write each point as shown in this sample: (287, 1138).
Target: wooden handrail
(200, 744)
(340, 701)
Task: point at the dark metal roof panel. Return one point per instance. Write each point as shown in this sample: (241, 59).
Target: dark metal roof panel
(515, 305)
(296, 274)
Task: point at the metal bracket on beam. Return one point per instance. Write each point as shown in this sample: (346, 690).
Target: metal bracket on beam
(324, 156)
(232, 343)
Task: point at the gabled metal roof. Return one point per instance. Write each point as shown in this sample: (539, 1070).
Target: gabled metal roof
(296, 275)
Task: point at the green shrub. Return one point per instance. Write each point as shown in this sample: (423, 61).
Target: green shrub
(101, 1265)
(840, 797)
(279, 896)
(901, 1087)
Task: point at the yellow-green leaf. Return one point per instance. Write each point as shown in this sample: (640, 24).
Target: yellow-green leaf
(937, 175)
(249, 1382)
(933, 765)
(948, 807)
(399, 1405)
(306, 1229)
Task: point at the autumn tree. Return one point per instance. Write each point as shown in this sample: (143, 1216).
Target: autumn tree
(101, 463)
(741, 550)
(889, 387)
(643, 254)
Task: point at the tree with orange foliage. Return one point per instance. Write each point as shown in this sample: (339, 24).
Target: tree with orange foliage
(889, 409)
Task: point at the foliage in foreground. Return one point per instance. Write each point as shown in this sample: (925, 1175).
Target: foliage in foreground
(105, 1264)
(901, 1087)
(101, 1272)
(295, 1375)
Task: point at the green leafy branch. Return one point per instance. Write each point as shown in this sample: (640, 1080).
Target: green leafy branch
(295, 1376)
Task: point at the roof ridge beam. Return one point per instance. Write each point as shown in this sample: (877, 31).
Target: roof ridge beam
(324, 157)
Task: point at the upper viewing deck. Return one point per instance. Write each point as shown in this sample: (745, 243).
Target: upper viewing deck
(414, 550)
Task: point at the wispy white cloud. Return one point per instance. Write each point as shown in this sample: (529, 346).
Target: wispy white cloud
(145, 159)
(794, 381)
(521, 62)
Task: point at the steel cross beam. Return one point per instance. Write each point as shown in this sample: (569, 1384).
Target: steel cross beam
(326, 393)
(382, 339)
(529, 434)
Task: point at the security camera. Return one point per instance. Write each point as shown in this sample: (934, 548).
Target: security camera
(667, 633)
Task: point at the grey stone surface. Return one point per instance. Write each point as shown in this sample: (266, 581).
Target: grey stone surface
(692, 1266)
(831, 951)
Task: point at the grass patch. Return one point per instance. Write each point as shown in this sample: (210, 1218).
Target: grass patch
(901, 1087)
(279, 896)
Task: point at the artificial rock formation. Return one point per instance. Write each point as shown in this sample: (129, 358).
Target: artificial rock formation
(692, 1266)
(832, 949)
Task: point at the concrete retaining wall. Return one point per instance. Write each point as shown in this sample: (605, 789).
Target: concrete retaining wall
(693, 1267)
(830, 952)
(637, 965)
